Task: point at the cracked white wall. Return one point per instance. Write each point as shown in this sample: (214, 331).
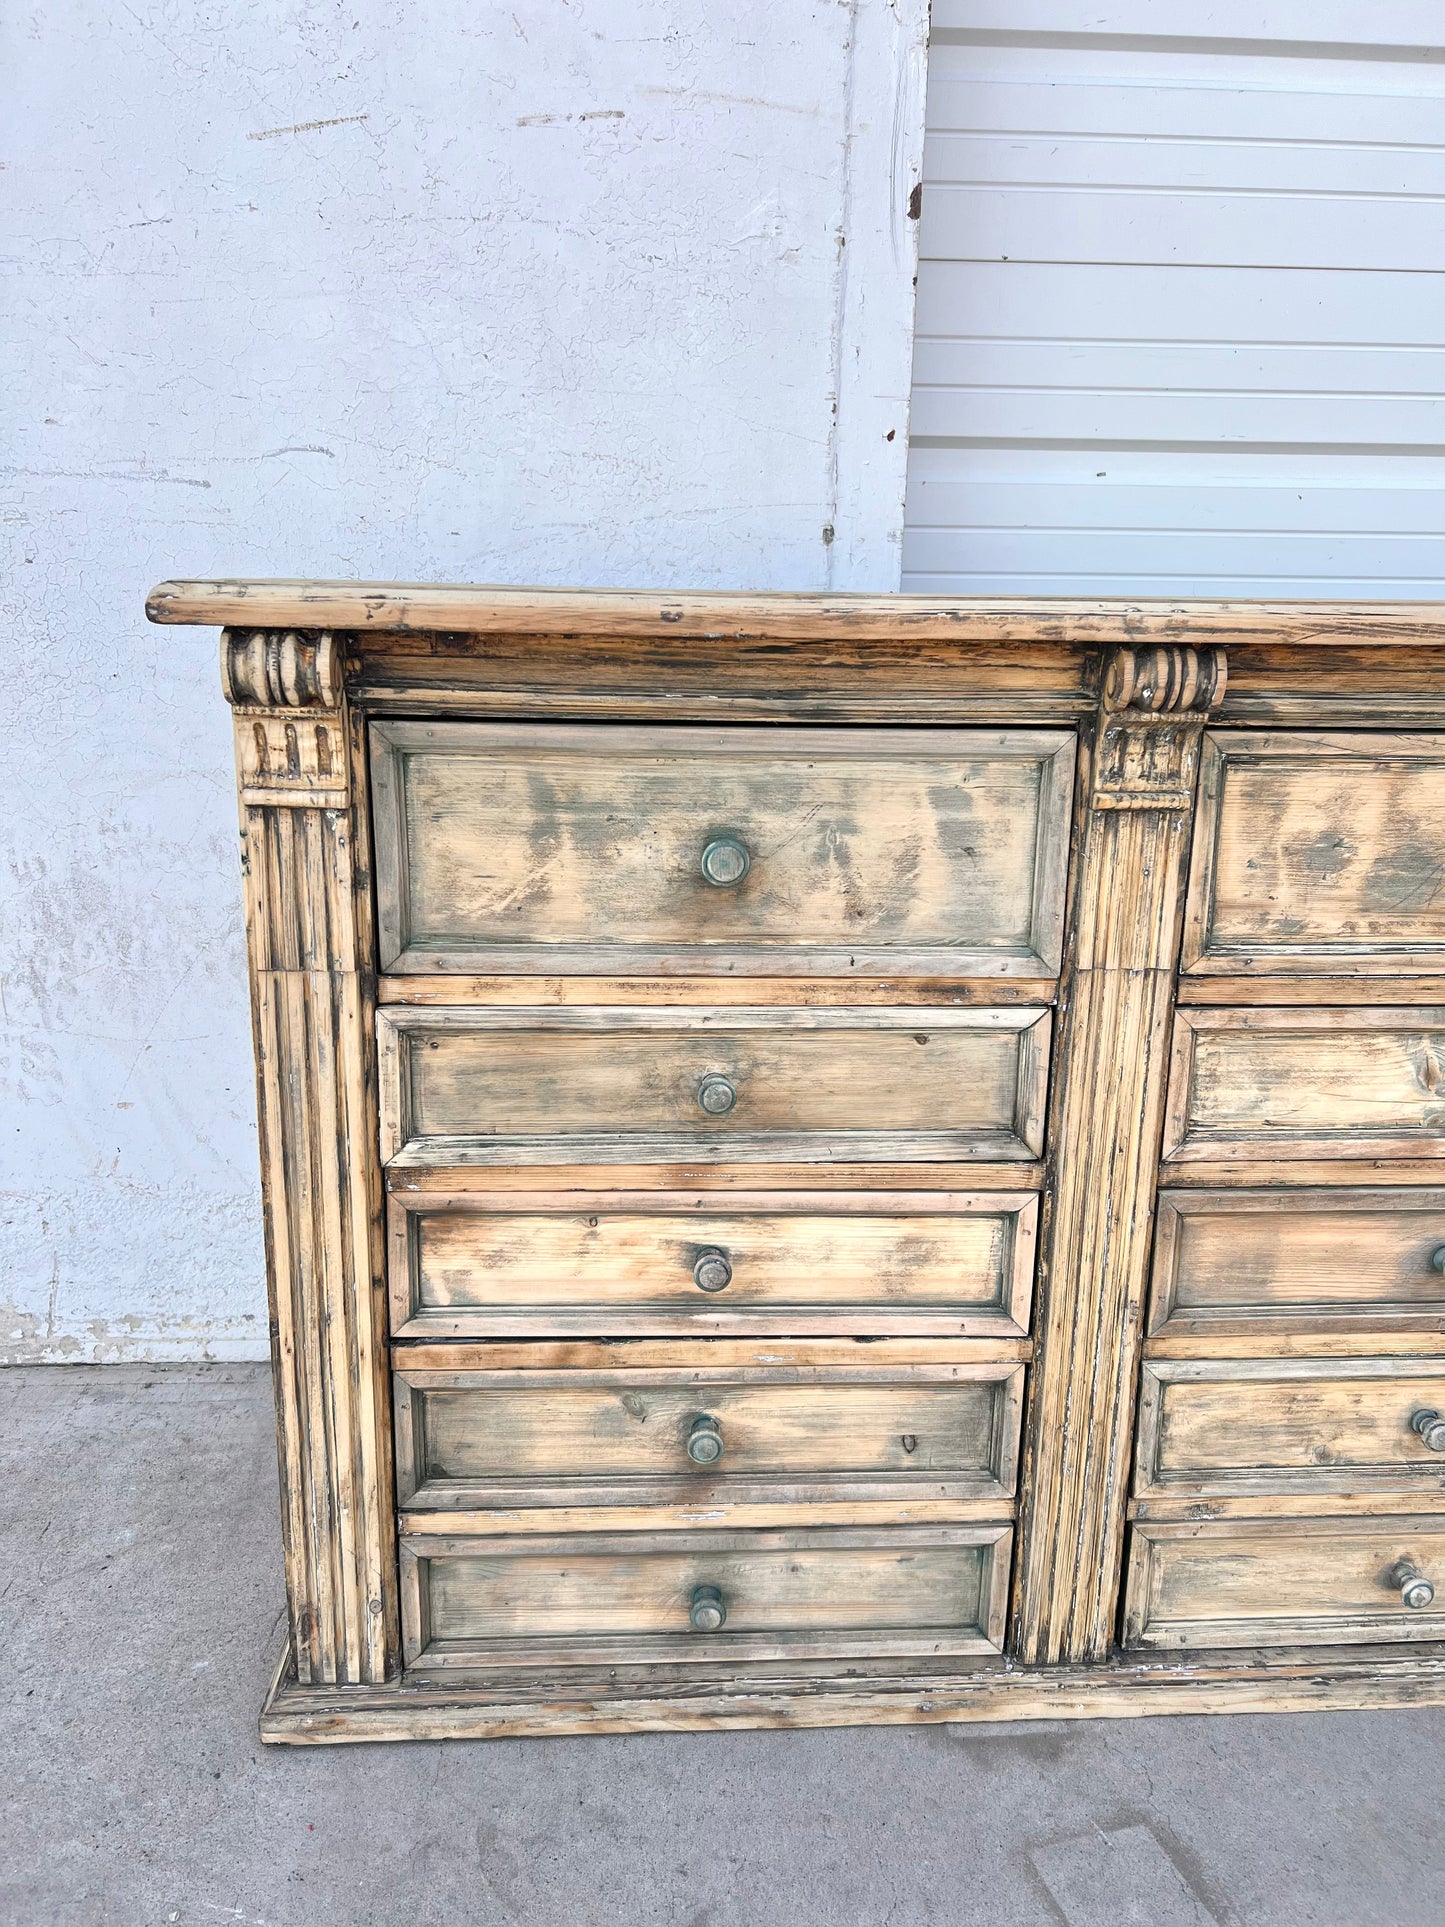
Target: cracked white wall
(566, 291)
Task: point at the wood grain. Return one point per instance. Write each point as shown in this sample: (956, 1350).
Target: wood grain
(1137, 783)
(1288, 1582)
(579, 1084)
(302, 778)
(1307, 1084)
(624, 1264)
(550, 848)
(712, 615)
(625, 1597)
(1212, 1428)
(1301, 1261)
(861, 1356)
(1318, 852)
(469, 1439)
(941, 993)
(518, 1705)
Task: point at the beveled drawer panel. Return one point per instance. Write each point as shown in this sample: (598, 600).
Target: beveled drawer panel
(1317, 854)
(1210, 1428)
(468, 1438)
(1299, 1084)
(1296, 1582)
(557, 848)
(1295, 1261)
(629, 1263)
(585, 1085)
(635, 1597)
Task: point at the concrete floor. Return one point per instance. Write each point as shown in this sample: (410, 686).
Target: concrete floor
(140, 1604)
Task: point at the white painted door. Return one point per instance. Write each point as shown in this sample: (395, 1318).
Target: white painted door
(1181, 301)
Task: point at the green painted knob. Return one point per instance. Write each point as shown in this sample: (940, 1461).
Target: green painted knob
(708, 1613)
(725, 862)
(716, 1095)
(1416, 1592)
(705, 1441)
(712, 1270)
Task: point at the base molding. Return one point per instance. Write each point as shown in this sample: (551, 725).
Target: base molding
(519, 1705)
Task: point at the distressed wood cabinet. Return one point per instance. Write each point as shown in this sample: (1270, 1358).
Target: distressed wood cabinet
(842, 1159)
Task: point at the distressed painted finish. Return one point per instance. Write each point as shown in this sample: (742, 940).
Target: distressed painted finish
(551, 849)
(1298, 1261)
(566, 1085)
(625, 1598)
(805, 1436)
(1303, 1582)
(1318, 853)
(449, 610)
(1302, 1084)
(302, 774)
(1136, 793)
(866, 1205)
(1211, 1428)
(613, 1263)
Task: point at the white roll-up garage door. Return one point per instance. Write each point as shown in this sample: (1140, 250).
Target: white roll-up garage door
(1181, 302)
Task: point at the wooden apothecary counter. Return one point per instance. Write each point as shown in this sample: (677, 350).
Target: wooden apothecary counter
(849, 1158)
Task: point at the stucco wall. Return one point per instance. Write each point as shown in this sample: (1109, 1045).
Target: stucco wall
(588, 291)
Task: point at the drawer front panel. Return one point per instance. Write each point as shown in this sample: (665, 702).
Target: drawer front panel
(631, 1597)
(509, 1266)
(1208, 1428)
(1307, 1084)
(592, 1085)
(558, 848)
(473, 1439)
(1299, 1260)
(1317, 854)
(1290, 1583)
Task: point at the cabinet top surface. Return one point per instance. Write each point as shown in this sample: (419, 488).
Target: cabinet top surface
(799, 615)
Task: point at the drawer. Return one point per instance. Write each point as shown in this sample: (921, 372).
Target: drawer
(612, 850)
(584, 1085)
(1354, 1426)
(1306, 1084)
(635, 1597)
(1318, 855)
(1298, 1582)
(624, 1264)
(478, 1439)
(1297, 1261)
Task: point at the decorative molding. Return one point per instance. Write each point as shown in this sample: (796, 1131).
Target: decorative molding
(305, 836)
(1164, 681)
(1139, 770)
(280, 669)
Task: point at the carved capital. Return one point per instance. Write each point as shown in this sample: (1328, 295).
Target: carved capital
(1164, 681)
(280, 669)
(1152, 710)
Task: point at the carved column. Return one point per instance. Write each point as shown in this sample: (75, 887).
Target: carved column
(305, 842)
(1138, 773)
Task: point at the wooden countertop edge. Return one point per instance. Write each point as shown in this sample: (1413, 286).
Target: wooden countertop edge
(479, 609)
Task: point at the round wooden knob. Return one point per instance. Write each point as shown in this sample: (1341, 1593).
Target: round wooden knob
(705, 1441)
(716, 1095)
(1416, 1592)
(708, 1614)
(712, 1270)
(725, 861)
(1431, 1427)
